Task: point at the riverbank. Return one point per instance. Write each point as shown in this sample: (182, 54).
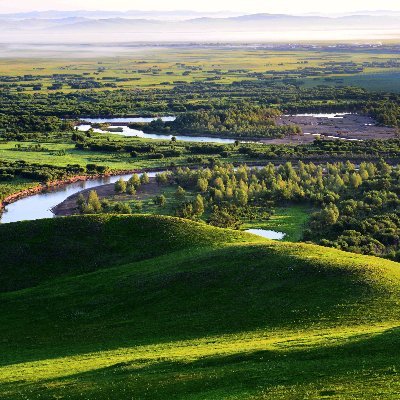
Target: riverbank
(69, 205)
(351, 127)
(346, 126)
(50, 186)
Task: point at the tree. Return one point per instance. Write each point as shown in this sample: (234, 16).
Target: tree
(355, 180)
(185, 210)
(137, 205)
(180, 193)
(218, 196)
(120, 186)
(122, 208)
(219, 183)
(130, 189)
(162, 179)
(241, 197)
(144, 179)
(135, 181)
(198, 205)
(94, 202)
(327, 216)
(80, 202)
(223, 219)
(202, 185)
(160, 200)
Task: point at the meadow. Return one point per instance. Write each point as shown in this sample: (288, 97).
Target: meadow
(165, 67)
(237, 317)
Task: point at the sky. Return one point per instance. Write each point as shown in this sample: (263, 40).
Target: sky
(245, 6)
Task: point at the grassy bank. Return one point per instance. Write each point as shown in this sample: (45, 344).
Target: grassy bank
(16, 185)
(290, 220)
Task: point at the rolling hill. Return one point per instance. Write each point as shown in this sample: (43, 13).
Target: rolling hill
(145, 307)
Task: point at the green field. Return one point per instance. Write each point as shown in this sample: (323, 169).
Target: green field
(290, 220)
(162, 68)
(114, 160)
(155, 307)
(383, 81)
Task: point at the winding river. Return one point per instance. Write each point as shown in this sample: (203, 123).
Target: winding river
(126, 131)
(39, 205)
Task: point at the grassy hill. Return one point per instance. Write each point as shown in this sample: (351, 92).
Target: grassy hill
(144, 307)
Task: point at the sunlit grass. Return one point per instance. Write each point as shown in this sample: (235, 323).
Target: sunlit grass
(152, 307)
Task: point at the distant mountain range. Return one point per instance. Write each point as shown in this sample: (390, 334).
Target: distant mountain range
(92, 26)
(171, 15)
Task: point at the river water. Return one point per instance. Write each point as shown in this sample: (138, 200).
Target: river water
(267, 234)
(39, 205)
(126, 131)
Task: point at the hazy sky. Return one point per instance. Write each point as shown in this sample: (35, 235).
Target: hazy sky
(246, 6)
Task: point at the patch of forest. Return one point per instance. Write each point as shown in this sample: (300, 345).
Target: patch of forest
(359, 206)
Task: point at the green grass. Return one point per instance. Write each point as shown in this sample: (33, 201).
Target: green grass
(164, 61)
(145, 307)
(384, 81)
(148, 206)
(290, 220)
(16, 185)
(116, 161)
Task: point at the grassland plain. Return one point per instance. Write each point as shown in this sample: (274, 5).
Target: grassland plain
(150, 68)
(114, 160)
(146, 307)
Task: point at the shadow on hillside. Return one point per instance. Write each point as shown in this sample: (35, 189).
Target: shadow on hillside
(245, 372)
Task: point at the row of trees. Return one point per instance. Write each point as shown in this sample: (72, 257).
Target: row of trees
(284, 95)
(385, 112)
(132, 185)
(37, 172)
(14, 124)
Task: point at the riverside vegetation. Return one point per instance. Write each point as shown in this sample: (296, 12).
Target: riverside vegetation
(358, 208)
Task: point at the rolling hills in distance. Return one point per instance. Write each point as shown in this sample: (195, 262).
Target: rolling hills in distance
(186, 26)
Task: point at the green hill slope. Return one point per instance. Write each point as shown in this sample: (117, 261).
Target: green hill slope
(35, 252)
(161, 308)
